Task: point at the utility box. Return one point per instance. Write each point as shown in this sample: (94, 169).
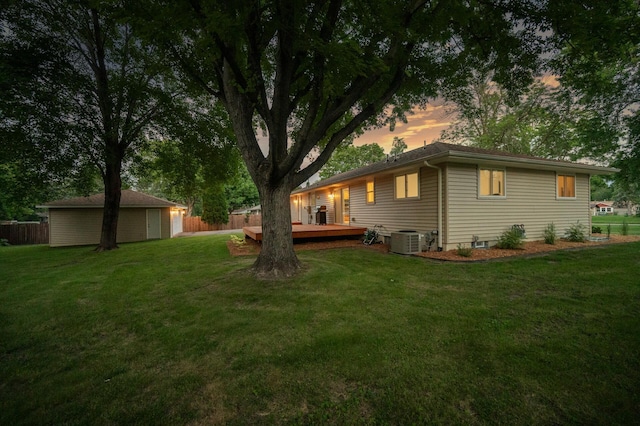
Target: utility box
(405, 242)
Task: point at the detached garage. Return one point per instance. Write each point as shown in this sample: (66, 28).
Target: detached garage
(78, 221)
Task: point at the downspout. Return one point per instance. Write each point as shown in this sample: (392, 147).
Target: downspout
(426, 163)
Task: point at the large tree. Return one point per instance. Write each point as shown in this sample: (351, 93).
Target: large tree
(348, 157)
(599, 66)
(538, 121)
(85, 88)
(313, 72)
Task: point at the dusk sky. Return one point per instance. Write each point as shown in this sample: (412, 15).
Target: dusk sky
(423, 125)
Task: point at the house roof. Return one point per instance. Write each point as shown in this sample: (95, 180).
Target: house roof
(440, 152)
(247, 210)
(129, 199)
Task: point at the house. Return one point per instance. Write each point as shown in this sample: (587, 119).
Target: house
(602, 208)
(78, 221)
(454, 194)
(249, 211)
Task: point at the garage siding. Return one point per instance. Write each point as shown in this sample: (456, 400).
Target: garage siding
(74, 227)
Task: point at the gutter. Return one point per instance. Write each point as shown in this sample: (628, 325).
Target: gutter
(426, 163)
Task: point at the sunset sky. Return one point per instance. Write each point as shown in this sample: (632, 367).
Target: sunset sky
(423, 125)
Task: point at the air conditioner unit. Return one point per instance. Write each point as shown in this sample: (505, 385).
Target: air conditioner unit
(405, 242)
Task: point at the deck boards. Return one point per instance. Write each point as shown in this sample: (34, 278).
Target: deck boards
(309, 231)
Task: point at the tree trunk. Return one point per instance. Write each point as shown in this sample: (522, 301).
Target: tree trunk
(111, 210)
(277, 259)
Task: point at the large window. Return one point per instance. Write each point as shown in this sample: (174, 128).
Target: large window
(371, 194)
(407, 186)
(566, 186)
(491, 182)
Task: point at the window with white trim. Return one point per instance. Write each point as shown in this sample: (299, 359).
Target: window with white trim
(407, 186)
(491, 182)
(566, 186)
(371, 194)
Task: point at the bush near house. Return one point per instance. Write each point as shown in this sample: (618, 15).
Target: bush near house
(510, 239)
(576, 233)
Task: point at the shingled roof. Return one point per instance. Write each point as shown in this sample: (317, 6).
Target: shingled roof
(440, 150)
(129, 199)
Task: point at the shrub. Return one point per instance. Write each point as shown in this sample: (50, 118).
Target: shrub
(4, 242)
(596, 230)
(550, 234)
(576, 233)
(464, 251)
(510, 239)
(625, 227)
(238, 241)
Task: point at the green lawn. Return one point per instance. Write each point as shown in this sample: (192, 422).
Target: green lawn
(175, 331)
(616, 222)
(615, 219)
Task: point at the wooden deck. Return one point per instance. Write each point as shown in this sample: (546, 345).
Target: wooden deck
(309, 231)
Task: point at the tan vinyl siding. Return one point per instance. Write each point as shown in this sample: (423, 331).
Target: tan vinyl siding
(132, 225)
(297, 213)
(321, 199)
(325, 200)
(414, 214)
(165, 217)
(74, 227)
(530, 199)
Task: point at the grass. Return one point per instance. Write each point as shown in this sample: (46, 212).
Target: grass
(175, 332)
(616, 223)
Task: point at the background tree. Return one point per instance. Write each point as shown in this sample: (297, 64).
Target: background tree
(215, 208)
(85, 88)
(312, 73)
(398, 146)
(599, 68)
(540, 121)
(240, 191)
(626, 195)
(601, 189)
(182, 170)
(349, 157)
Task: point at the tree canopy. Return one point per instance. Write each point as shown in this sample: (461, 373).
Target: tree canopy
(539, 121)
(599, 66)
(398, 146)
(349, 157)
(80, 88)
(312, 73)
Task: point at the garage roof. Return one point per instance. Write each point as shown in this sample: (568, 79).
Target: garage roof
(129, 199)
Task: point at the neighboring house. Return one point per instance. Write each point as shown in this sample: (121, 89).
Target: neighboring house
(251, 210)
(78, 221)
(468, 195)
(602, 208)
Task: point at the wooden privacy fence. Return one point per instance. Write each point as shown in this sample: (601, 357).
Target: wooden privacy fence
(236, 221)
(25, 233)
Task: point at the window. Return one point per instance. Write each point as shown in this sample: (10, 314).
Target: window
(371, 195)
(491, 182)
(407, 186)
(566, 186)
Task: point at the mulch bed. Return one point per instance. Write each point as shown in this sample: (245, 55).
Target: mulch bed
(250, 247)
